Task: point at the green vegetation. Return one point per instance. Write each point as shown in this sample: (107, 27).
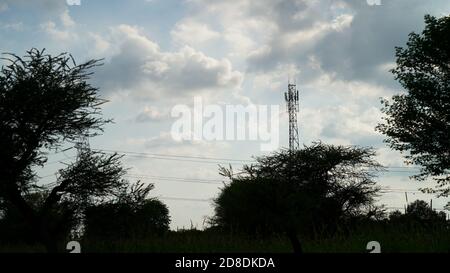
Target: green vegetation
(299, 193)
(392, 240)
(417, 122)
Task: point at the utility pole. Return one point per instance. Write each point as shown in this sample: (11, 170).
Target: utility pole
(82, 146)
(292, 101)
(407, 205)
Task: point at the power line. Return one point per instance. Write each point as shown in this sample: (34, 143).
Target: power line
(172, 155)
(203, 158)
(60, 160)
(46, 176)
(185, 199)
(403, 191)
(155, 155)
(402, 167)
(397, 171)
(214, 160)
(173, 179)
(217, 182)
(177, 159)
(210, 200)
(176, 178)
(439, 209)
(210, 181)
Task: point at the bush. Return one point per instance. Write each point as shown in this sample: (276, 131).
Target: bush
(419, 215)
(307, 191)
(124, 220)
(15, 229)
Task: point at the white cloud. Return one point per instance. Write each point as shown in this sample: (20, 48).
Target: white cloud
(151, 72)
(192, 33)
(3, 6)
(58, 34)
(101, 45)
(344, 124)
(277, 79)
(245, 35)
(64, 32)
(164, 143)
(388, 157)
(150, 114)
(350, 38)
(350, 89)
(313, 34)
(66, 20)
(44, 5)
(19, 26)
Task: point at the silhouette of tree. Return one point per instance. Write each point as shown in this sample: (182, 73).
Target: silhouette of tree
(419, 214)
(130, 215)
(299, 192)
(420, 210)
(14, 228)
(418, 121)
(396, 214)
(44, 101)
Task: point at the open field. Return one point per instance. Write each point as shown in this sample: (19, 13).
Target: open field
(193, 241)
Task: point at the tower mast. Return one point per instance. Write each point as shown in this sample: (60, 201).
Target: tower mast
(292, 101)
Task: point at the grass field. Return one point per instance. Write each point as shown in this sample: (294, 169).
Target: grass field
(192, 241)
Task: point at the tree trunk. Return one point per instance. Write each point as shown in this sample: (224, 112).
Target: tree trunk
(296, 245)
(37, 221)
(48, 235)
(51, 245)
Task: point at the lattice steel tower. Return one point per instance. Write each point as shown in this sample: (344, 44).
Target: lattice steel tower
(82, 144)
(292, 100)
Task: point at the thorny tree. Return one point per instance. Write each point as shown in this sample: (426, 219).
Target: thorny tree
(46, 101)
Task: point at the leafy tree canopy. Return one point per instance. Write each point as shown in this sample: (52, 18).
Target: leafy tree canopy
(301, 190)
(418, 122)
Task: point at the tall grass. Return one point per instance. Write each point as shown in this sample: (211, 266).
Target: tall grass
(195, 241)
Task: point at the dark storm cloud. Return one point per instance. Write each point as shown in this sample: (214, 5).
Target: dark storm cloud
(361, 51)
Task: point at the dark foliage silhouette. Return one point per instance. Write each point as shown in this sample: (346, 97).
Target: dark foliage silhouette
(14, 228)
(303, 192)
(418, 122)
(130, 216)
(46, 101)
(419, 214)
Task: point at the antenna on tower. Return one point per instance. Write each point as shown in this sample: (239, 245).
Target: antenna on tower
(292, 101)
(82, 145)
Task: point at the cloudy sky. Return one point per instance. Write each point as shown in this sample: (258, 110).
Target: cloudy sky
(160, 53)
